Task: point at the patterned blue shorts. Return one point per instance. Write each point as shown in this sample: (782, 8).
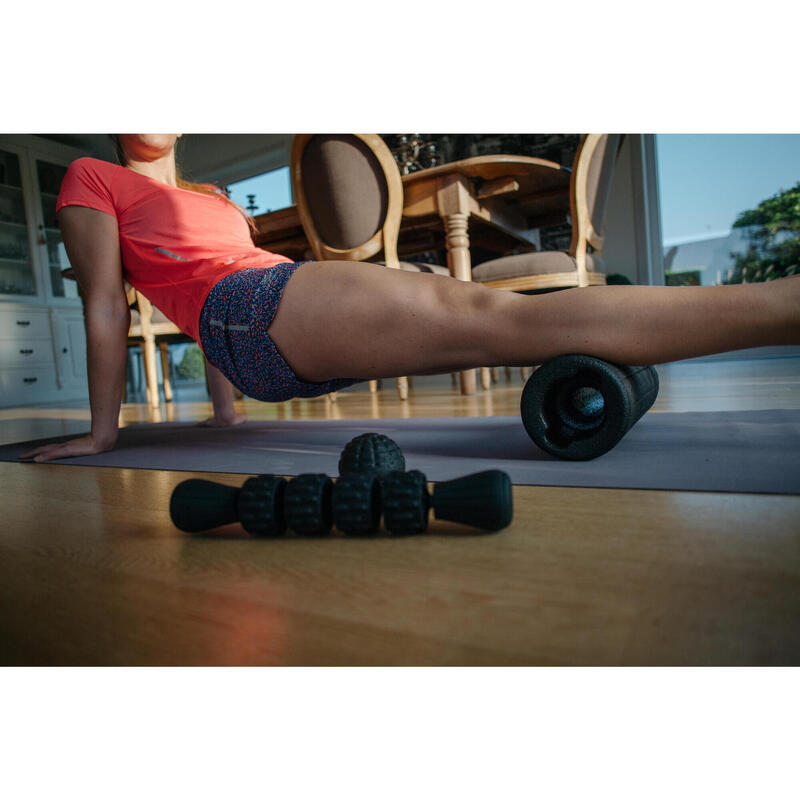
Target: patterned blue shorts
(233, 335)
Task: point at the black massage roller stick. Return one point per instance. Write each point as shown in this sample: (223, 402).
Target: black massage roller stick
(311, 505)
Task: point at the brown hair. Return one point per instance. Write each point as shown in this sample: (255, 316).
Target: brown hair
(203, 188)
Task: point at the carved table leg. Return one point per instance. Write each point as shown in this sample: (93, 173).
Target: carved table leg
(458, 262)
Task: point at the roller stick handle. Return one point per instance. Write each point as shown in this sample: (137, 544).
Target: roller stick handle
(197, 505)
(482, 500)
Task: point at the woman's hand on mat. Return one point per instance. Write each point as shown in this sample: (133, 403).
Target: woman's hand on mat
(223, 421)
(84, 446)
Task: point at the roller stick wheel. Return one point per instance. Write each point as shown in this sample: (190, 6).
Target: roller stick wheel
(260, 505)
(406, 503)
(357, 504)
(307, 505)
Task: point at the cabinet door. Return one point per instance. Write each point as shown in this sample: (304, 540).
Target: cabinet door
(69, 340)
(16, 266)
(49, 176)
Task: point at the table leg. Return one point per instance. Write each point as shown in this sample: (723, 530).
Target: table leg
(458, 262)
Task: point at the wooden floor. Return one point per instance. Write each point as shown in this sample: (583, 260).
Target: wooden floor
(92, 571)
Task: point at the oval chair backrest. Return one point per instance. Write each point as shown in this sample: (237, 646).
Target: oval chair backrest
(598, 181)
(346, 188)
(592, 176)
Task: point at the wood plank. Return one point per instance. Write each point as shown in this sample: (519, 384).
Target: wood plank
(495, 166)
(497, 187)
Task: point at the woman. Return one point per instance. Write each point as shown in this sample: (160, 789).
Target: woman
(277, 329)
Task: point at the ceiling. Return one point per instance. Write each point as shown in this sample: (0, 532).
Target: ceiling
(220, 157)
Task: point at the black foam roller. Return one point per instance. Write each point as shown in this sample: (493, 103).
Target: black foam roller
(371, 453)
(357, 504)
(307, 504)
(260, 505)
(578, 407)
(406, 503)
(482, 500)
(197, 505)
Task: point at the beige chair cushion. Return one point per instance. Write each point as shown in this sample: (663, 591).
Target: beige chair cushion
(532, 264)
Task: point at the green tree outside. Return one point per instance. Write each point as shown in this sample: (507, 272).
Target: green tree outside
(773, 236)
(192, 366)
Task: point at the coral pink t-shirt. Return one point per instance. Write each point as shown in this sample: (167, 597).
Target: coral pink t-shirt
(176, 244)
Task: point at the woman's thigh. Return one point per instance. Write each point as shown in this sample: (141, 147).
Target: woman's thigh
(340, 318)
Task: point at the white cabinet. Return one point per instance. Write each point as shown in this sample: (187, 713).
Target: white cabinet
(42, 340)
(42, 355)
(27, 365)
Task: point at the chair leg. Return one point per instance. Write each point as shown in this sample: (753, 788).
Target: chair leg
(467, 380)
(151, 376)
(163, 348)
(508, 373)
(486, 378)
(373, 386)
(402, 388)
(125, 382)
(495, 375)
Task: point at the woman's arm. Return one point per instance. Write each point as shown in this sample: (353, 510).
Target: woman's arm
(91, 239)
(222, 400)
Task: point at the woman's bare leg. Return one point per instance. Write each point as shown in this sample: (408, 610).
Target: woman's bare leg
(349, 319)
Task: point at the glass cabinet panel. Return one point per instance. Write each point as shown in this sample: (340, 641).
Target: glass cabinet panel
(50, 176)
(16, 268)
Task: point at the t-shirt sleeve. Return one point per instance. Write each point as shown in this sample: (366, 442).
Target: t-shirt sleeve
(86, 184)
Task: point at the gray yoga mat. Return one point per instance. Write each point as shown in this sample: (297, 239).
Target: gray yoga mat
(735, 451)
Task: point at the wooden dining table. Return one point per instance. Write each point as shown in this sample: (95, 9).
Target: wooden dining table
(497, 202)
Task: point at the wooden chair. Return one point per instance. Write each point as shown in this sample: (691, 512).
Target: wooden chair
(150, 329)
(349, 197)
(582, 264)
